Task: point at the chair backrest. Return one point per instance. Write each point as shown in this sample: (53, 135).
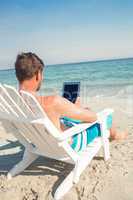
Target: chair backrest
(13, 103)
(30, 121)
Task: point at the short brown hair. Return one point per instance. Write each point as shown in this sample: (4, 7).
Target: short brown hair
(27, 65)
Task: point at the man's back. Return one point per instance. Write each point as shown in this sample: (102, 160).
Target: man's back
(57, 107)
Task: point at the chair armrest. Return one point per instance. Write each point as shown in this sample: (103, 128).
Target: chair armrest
(104, 114)
(78, 128)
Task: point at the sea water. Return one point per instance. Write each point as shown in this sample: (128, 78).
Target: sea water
(99, 78)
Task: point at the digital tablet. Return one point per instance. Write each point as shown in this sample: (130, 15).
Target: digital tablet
(71, 91)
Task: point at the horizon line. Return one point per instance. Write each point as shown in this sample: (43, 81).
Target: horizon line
(90, 61)
(87, 61)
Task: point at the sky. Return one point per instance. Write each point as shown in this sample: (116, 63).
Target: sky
(63, 31)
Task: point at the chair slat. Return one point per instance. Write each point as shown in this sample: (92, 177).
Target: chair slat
(20, 101)
(3, 108)
(9, 109)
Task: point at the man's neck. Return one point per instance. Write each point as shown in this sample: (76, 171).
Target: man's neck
(27, 87)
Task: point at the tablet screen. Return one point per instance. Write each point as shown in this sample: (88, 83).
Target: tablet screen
(71, 90)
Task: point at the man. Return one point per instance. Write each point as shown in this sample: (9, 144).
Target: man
(29, 72)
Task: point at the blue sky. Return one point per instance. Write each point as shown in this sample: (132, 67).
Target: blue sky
(62, 31)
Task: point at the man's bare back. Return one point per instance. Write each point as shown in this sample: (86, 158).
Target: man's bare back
(57, 107)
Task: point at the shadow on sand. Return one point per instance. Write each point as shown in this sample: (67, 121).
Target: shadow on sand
(41, 167)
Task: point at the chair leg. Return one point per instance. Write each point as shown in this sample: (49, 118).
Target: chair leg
(106, 149)
(64, 187)
(28, 158)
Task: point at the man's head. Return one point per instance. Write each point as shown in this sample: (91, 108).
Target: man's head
(29, 68)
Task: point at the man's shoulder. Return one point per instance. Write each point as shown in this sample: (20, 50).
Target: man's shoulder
(50, 100)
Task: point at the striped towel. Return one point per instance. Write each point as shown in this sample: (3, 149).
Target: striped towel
(81, 140)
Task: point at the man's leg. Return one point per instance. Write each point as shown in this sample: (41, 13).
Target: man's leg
(116, 135)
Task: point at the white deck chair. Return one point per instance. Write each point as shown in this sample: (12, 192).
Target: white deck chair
(38, 134)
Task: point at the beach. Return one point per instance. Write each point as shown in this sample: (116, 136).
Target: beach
(100, 181)
(45, 48)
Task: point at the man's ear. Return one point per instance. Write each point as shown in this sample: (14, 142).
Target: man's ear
(37, 76)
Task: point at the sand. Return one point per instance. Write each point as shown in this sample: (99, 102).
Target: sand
(100, 181)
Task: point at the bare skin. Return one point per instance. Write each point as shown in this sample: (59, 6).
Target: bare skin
(57, 107)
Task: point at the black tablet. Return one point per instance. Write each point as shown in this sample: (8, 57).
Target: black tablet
(71, 91)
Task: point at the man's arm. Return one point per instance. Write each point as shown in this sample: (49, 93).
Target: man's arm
(63, 107)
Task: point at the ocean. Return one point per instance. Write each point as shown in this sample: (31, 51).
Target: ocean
(98, 78)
